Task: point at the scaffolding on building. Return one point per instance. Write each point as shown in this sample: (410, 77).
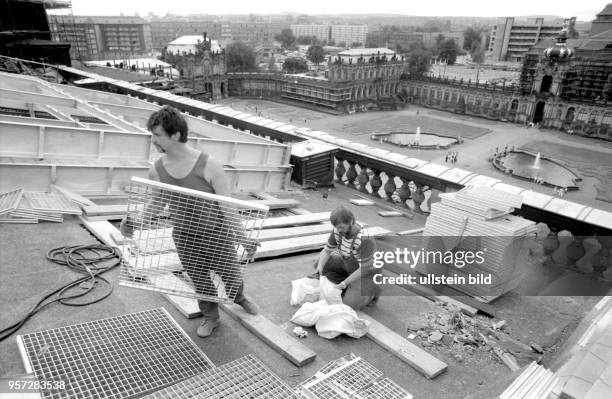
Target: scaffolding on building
(63, 28)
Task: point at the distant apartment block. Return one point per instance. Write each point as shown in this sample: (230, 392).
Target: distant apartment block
(347, 34)
(510, 39)
(255, 32)
(99, 38)
(166, 30)
(321, 32)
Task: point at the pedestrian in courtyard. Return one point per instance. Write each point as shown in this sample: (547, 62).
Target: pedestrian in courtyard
(181, 165)
(347, 260)
(446, 158)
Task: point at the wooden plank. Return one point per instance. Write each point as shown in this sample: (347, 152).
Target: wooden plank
(78, 199)
(306, 243)
(105, 217)
(293, 232)
(279, 203)
(101, 230)
(187, 306)
(296, 220)
(387, 214)
(411, 232)
(361, 202)
(411, 354)
(288, 346)
(100, 210)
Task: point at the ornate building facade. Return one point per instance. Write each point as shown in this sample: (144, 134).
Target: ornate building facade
(565, 86)
(356, 80)
(203, 71)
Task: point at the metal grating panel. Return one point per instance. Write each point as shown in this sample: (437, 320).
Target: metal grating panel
(246, 377)
(118, 357)
(9, 200)
(351, 377)
(209, 237)
(385, 389)
(51, 202)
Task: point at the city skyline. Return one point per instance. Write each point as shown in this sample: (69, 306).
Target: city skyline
(584, 11)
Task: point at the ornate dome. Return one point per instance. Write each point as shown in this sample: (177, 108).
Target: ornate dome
(559, 51)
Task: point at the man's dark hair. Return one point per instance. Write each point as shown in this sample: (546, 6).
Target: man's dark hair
(170, 120)
(341, 215)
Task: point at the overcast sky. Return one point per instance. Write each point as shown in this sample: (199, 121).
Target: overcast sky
(585, 10)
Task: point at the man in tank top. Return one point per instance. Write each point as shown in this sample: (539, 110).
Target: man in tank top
(183, 166)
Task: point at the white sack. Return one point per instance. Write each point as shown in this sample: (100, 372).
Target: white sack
(304, 290)
(339, 319)
(329, 293)
(308, 314)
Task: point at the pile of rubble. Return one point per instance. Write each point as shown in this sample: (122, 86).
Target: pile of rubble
(448, 329)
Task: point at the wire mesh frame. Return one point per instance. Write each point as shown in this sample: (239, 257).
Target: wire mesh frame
(246, 377)
(188, 243)
(350, 377)
(116, 357)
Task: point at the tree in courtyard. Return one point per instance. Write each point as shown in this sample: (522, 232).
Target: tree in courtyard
(240, 58)
(470, 35)
(315, 54)
(286, 38)
(419, 57)
(295, 65)
(477, 52)
(448, 50)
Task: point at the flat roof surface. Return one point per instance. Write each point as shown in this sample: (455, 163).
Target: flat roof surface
(27, 274)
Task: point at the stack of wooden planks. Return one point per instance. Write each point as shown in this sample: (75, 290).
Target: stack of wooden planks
(534, 382)
(477, 219)
(299, 233)
(19, 206)
(95, 212)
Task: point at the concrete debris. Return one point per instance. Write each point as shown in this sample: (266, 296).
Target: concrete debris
(435, 336)
(300, 332)
(499, 324)
(464, 337)
(537, 348)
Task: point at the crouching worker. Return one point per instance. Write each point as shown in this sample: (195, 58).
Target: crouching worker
(347, 259)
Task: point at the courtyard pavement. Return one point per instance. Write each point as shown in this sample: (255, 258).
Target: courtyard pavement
(590, 158)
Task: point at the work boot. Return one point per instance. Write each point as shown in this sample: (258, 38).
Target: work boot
(248, 306)
(207, 327)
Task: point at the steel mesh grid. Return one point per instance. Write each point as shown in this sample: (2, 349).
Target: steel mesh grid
(346, 380)
(246, 377)
(209, 238)
(385, 389)
(9, 200)
(117, 357)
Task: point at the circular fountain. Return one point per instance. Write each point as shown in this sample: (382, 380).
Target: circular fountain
(527, 166)
(417, 139)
